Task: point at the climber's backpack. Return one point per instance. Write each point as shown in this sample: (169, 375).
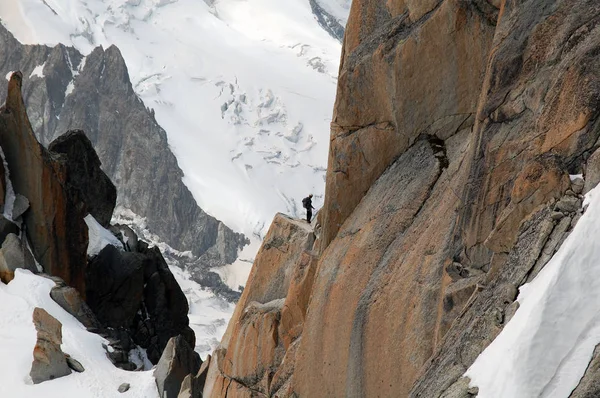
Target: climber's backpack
(305, 203)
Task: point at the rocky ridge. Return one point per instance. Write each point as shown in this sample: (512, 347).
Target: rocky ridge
(63, 90)
(456, 129)
(124, 292)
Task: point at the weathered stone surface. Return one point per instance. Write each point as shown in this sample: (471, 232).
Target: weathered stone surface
(177, 361)
(70, 300)
(124, 387)
(387, 96)
(59, 242)
(131, 145)
(13, 255)
(589, 386)
(85, 175)
(49, 361)
(115, 286)
(592, 171)
(74, 364)
(20, 206)
(568, 204)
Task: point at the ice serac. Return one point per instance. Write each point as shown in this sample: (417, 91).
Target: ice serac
(456, 129)
(95, 94)
(54, 222)
(407, 69)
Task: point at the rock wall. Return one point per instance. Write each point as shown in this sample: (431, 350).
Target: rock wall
(95, 94)
(455, 129)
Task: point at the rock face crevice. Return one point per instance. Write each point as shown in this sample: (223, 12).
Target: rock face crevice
(457, 129)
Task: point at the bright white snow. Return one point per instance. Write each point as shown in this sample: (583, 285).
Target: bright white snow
(18, 336)
(244, 89)
(546, 347)
(99, 237)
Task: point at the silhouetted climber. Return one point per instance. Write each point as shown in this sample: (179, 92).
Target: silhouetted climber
(307, 204)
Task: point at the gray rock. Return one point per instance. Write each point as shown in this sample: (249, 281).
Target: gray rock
(569, 204)
(124, 387)
(577, 185)
(130, 238)
(74, 364)
(49, 361)
(557, 215)
(70, 300)
(177, 361)
(20, 207)
(13, 255)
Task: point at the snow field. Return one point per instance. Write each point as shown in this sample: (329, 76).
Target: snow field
(546, 347)
(17, 340)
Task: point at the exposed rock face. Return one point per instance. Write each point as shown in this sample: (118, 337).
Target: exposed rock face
(70, 300)
(59, 243)
(457, 124)
(14, 254)
(177, 361)
(136, 291)
(49, 361)
(95, 95)
(434, 55)
(84, 173)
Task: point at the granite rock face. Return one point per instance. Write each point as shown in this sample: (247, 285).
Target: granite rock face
(95, 94)
(456, 128)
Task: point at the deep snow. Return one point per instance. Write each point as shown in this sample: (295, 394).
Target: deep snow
(546, 347)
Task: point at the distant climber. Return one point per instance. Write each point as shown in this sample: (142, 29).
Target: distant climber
(307, 204)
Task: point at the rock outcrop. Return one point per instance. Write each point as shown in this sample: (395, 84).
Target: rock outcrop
(58, 240)
(49, 362)
(456, 128)
(177, 362)
(94, 94)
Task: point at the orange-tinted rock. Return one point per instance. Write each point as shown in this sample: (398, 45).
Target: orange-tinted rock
(54, 222)
(401, 75)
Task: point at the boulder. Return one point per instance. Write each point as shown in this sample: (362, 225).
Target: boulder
(85, 175)
(70, 300)
(54, 221)
(124, 387)
(49, 361)
(568, 204)
(14, 254)
(74, 364)
(115, 286)
(177, 361)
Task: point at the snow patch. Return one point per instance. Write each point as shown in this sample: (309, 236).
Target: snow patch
(546, 347)
(99, 237)
(38, 71)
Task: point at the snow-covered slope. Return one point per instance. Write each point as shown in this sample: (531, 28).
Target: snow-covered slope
(244, 89)
(18, 337)
(546, 347)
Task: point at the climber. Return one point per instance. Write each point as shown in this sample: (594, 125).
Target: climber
(307, 204)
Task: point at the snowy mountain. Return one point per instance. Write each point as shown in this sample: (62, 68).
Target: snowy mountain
(244, 89)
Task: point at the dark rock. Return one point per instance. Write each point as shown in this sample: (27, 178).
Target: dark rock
(74, 364)
(177, 361)
(13, 255)
(130, 238)
(124, 387)
(115, 286)
(20, 206)
(49, 361)
(70, 300)
(84, 173)
(58, 240)
(7, 227)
